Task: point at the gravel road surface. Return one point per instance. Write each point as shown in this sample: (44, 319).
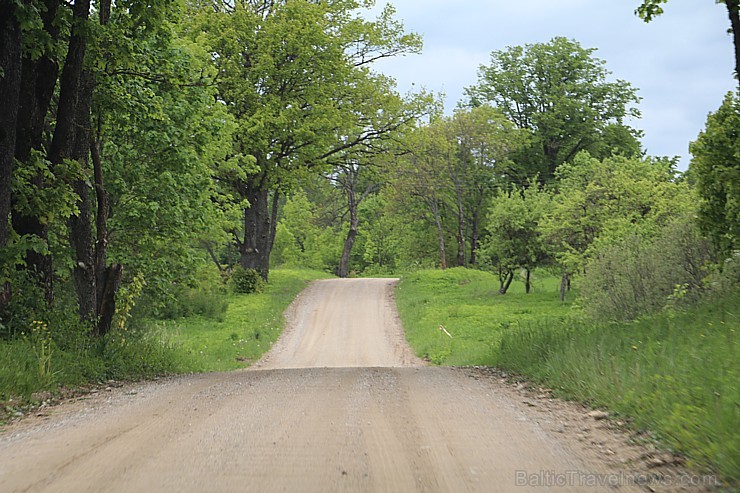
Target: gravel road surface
(339, 404)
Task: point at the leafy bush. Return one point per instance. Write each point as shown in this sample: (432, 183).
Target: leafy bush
(639, 275)
(188, 302)
(247, 280)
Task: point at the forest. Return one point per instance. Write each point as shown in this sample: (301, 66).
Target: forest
(155, 156)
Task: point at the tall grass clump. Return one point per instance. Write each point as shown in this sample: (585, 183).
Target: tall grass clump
(674, 373)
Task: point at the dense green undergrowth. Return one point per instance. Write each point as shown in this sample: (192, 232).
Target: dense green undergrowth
(674, 373)
(48, 357)
(212, 330)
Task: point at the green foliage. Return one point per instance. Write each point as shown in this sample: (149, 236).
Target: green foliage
(601, 202)
(674, 373)
(514, 240)
(649, 9)
(296, 77)
(247, 281)
(55, 350)
(302, 239)
(559, 92)
(716, 169)
(638, 275)
(451, 169)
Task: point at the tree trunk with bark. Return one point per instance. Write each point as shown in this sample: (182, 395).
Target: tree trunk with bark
(39, 78)
(80, 229)
(96, 283)
(343, 268)
(505, 278)
(70, 87)
(440, 234)
(107, 277)
(564, 285)
(474, 237)
(10, 87)
(254, 247)
(551, 150)
(460, 233)
(527, 280)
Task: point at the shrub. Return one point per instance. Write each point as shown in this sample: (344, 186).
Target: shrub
(639, 275)
(247, 280)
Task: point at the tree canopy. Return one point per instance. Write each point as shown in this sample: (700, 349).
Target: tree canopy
(559, 93)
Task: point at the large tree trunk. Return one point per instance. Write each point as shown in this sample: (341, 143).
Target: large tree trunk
(733, 10)
(349, 242)
(10, 86)
(38, 80)
(71, 141)
(254, 249)
(70, 87)
(80, 229)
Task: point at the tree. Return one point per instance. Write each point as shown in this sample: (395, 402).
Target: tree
(601, 202)
(716, 169)
(10, 87)
(514, 238)
(306, 234)
(290, 72)
(649, 9)
(40, 71)
(357, 170)
(558, 92)
(486, 142)
(645, 272)
(77, 153)
(422, 176)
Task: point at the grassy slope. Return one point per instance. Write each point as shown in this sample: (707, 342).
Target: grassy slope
(248, 328)
(467, 303)
(675, 373)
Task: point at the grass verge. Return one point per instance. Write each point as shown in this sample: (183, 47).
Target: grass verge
(468, 305)
(51, 357)
(248, 328)
(675, 373)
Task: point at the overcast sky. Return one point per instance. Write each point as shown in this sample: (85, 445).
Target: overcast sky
(681, 63)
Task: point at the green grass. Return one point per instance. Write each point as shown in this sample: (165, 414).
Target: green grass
(53, 355)
(468, 305)
(675, 373)
(62, 357)
(248, 328)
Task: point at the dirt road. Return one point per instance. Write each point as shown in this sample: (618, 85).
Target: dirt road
(339, 404)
